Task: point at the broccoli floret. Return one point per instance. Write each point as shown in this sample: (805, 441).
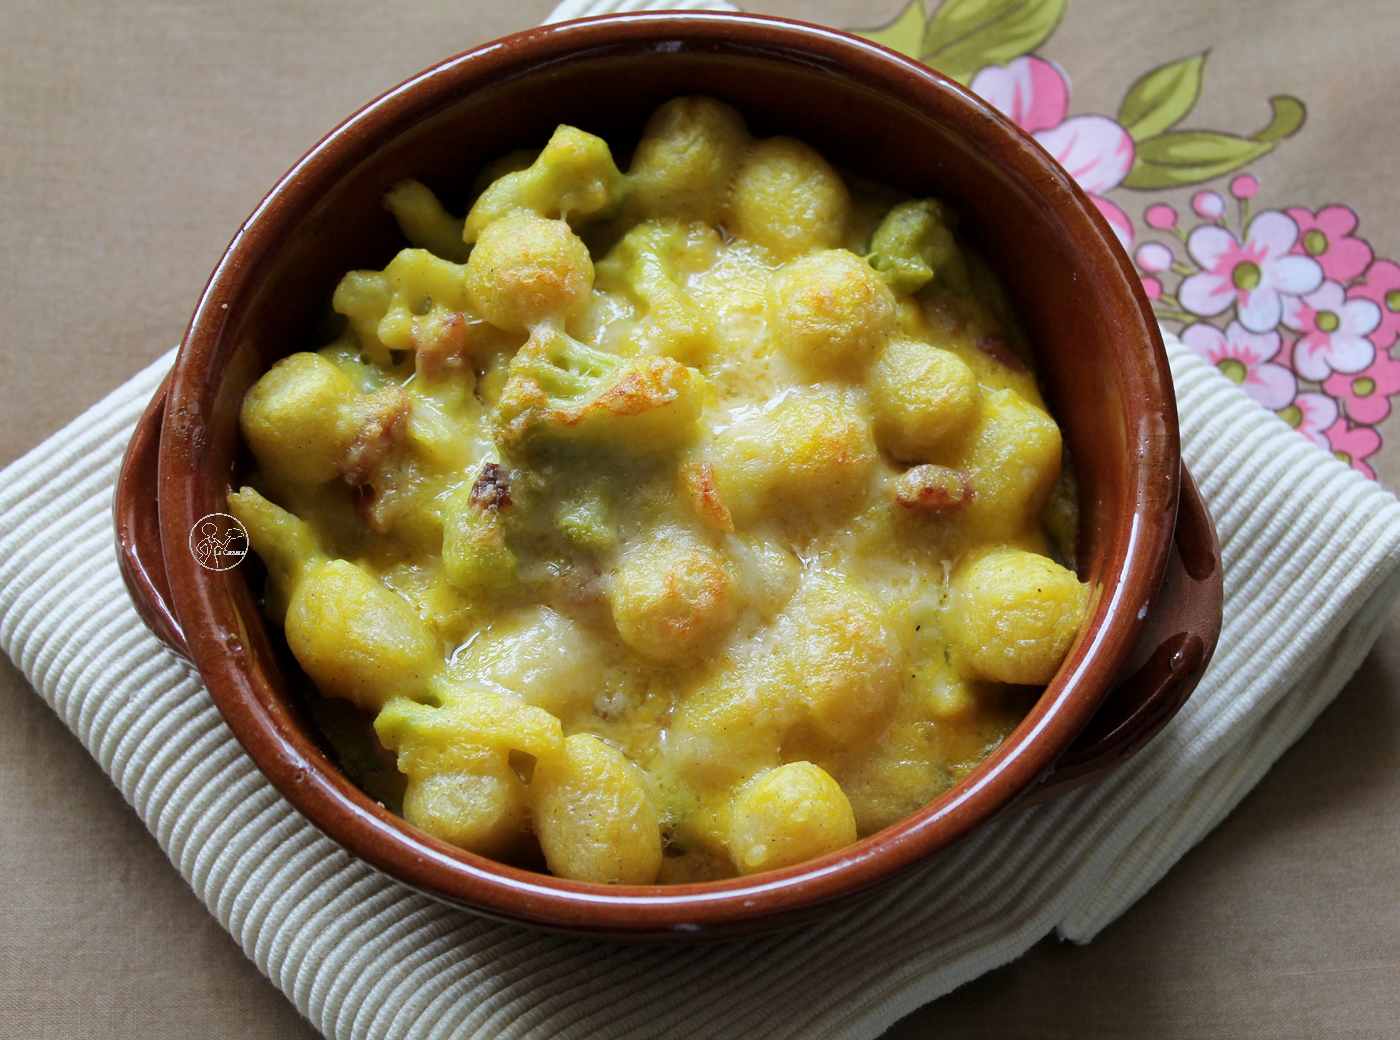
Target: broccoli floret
(447, 734)
(395, 308)
(474, 551)
(585, 521)
(645, 264)
(563, 389)
(574, 177)
(287, 545)
(914, 244)
(354, 637)
(424, 221)
(567, 370)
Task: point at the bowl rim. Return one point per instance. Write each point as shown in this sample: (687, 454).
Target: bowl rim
(217, 642)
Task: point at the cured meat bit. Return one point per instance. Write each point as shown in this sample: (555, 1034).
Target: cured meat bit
(999, 349)
(378, 418)
(370, 505)
(933, 489)
(442, 346)
(491, 491)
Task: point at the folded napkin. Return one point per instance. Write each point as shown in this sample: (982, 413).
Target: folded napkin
(1311, 550)
(571, 9)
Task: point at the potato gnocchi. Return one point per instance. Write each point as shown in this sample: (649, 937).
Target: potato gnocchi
(668, 525)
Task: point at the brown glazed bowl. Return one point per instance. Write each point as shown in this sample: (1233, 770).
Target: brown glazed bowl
(867, 109)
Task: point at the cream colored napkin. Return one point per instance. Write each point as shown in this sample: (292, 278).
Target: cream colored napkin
(571, 9)
(1311, 551)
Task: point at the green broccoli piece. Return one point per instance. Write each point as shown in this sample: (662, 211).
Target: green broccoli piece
(287, 545)
(914, 244)
(568, 371)
(584, 520)
(574, 177)
(564, 390)
(645, 264)
(424, 221)
(474, 551)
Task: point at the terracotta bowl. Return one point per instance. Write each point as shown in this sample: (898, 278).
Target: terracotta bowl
(865, 108)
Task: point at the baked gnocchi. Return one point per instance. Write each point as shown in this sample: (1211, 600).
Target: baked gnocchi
(664, 525)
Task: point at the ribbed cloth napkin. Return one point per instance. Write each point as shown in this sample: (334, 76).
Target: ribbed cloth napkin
(1311, 550)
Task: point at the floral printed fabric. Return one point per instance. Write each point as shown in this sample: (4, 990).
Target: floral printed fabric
(1254, 275)
(1289, 302)
(1294, 309)
(1095, 150)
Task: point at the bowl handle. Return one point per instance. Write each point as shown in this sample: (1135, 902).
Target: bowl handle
(1165, 665)
(139, 553)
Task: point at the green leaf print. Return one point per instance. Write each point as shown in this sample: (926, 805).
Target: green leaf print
(1289, 114)
(1174, 160)
(963, 36)
(905, 34)
(1160, 99)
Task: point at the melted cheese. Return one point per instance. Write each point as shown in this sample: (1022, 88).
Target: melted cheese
(710, 499)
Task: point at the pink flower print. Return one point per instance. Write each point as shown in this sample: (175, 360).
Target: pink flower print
(1121, 223)
(1154, 257)
(1160, 216)
(1097, 153)
(1328, 236)
(1334, 331)
(1366, 394)
(1382, 287)
(1257, 273)
(1031, 92)
(1094, 150)
(1208, 204)
(1245, 186)
(1247, 359)
(1311, 415)
(1353, 445)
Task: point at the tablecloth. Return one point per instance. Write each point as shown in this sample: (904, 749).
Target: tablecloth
(112, 57)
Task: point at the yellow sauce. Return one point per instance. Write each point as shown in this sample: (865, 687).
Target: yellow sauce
(670, 525)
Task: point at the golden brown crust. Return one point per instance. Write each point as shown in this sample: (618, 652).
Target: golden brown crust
(698, 481)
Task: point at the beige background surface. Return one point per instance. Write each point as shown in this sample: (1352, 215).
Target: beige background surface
(134, 138)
